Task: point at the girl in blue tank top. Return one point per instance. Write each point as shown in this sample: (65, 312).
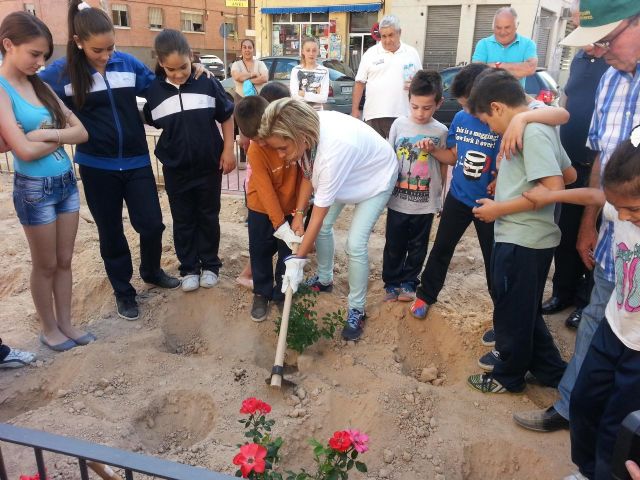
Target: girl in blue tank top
(35, 125)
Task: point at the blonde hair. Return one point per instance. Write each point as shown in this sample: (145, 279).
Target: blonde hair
(292, 120)
(305, 40)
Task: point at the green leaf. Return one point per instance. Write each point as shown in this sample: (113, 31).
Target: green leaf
(354, 454)
(349, 464)
(361, 467)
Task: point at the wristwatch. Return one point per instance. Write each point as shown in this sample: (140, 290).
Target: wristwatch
(498, 64)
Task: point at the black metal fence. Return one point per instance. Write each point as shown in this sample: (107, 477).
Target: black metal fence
(85, 452)
(231, 183)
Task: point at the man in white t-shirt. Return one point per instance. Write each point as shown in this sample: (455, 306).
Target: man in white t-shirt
(387, 69)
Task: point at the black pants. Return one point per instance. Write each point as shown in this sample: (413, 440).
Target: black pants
(606, 391)
(571, 278)
(195, 209)
(106, 190)
(405, 248)
(262, 247)
(455, 219)
(522, 338)
(4, 350)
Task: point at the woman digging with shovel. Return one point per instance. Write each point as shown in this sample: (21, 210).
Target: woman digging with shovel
(344, 161)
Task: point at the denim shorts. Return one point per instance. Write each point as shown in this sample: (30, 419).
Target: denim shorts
(39, 200)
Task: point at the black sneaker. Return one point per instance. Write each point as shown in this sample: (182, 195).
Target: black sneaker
(489, 360)
(489, 338)
(127, 308)
(573, 320)
(163, 280)
(314, 284)
(260, 308)
(353, 327)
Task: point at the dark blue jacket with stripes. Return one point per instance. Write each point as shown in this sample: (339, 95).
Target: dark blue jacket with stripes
(190, 144)
(110, 114)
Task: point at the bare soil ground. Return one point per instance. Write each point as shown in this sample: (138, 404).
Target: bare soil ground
(171, 384)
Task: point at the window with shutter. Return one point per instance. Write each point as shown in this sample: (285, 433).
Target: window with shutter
(441, 40)
(119, 15)
(155, 17)
(545, 23)
(484, 22)
(192, 21)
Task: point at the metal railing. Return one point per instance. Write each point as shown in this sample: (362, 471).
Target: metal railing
(85, 452)
(231, 183)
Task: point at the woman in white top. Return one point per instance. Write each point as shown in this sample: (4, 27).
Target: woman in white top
(249, 69)
(310, 81)
(344, 161)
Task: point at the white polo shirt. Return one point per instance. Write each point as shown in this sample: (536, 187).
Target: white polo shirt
(353, 163)
(384, 74)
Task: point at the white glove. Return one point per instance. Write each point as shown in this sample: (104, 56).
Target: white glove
(294, 273)
(285, 234)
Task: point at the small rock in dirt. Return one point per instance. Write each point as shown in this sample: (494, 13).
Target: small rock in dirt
(62, 393)
(103, 383)
(98, 393)
(335, 383)
(410, 398)
(109, 389)
(388, 456)
(78, 405)
(39, 363)
(423, 390)
(429, 374)
(406, 456)
(348, 360)
(433, 422)
(383, 473)
(439, 476)
(301, 393)
(150, 422)
(437, 382)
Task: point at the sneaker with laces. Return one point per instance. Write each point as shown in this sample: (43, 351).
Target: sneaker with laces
(190, 282)
(575, 476)
(489, 360)
(17, 358)
(419, 309)
(314, 284)
(208, 279)
(489, 338)
(485, 383)
(353, 327)
(127, 308)
(260, 308)
(163, 280)
(406, 293)
(390, 294)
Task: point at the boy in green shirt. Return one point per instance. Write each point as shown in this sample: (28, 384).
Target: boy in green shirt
(524, 241)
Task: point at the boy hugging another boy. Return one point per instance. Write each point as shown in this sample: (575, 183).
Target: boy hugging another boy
(271, 199)
(524, 240)
(418, 191)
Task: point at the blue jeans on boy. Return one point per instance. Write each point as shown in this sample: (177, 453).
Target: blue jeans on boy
(606, 391)
(591, 317)
(518, 276)
(365, 216)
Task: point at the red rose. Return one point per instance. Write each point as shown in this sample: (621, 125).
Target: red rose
(341, 441)
(252, 405)
(251, 458)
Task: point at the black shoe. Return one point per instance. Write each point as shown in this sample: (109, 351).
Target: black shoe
(548, 420)
(489, 338)
(573, 320)
(489, 360)
(163, 280)
(554, 305)
(260, 308)
(127, 308)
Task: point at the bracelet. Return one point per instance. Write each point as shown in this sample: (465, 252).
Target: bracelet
(298, 212)
(58, 133)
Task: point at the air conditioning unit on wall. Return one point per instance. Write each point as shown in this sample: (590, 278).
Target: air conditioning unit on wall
(565, 13)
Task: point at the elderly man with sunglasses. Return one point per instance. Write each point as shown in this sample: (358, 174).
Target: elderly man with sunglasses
(612, 31)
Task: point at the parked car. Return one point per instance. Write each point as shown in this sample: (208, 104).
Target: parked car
(214, 64)
(341, 80)
(540, 85)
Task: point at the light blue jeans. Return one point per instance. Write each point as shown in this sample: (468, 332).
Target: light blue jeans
(592, 315)
(365, 216)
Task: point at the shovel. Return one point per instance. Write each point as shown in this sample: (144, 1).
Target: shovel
(277, 380)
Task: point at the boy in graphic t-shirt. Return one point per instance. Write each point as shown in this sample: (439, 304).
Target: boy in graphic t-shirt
(418, 191)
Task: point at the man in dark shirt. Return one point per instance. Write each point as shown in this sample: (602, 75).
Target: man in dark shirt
(571, 285)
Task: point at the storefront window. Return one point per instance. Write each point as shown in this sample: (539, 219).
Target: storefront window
(287, 35)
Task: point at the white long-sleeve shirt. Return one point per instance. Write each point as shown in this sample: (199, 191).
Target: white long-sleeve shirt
(313, 83)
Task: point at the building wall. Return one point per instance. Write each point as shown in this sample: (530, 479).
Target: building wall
(138, 37)
(413, 18)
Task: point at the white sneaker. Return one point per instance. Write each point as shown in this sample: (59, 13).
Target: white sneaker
(575, 476)
(190, 283)
(208, 279)
(17, 358)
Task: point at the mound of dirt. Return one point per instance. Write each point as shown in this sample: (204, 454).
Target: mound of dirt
(171, 384)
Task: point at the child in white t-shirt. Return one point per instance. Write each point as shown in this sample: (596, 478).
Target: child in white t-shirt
(608, 385)
(417, 195)
(310, 81)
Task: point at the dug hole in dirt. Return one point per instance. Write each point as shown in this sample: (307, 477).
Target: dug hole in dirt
(171, 384)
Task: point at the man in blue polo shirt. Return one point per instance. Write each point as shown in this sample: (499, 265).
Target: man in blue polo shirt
(507, 49)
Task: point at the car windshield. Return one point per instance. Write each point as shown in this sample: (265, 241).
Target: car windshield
(342, 68)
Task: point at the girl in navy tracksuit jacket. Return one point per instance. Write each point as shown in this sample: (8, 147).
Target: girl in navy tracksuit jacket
(100, 87)
(193, 154)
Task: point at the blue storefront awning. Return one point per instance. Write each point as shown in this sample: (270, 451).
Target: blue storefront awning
(358, 7)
